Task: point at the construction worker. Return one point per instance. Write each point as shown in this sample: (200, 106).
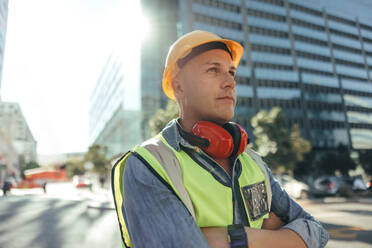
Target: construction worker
(196, 184)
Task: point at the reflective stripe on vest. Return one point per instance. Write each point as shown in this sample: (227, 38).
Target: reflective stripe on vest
(207, 200)
(117, 186)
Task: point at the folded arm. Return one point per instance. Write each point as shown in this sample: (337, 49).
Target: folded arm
(269, 236)
(296, 218)
(257, 238)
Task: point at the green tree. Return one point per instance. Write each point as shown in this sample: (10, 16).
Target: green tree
(338, 159)
(162, 117)
(365, 159)
(305, 167)
(74, 167)
(26, 166)
(280, 147)
(97, 156)
(30, 165)
(308, 166)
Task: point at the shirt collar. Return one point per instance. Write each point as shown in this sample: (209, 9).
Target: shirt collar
(173, 136)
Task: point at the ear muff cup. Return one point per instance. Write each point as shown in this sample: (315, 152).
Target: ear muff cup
(235, 133)
(218, 141)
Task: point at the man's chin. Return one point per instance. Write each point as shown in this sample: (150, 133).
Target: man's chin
(222, 119)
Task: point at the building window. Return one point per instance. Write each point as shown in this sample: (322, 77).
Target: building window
(217, 21)
(270, 49)
(305, 10)
(265, 15)
(269, 32)
(219, 4)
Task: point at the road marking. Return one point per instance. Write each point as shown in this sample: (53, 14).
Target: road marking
(334, 200)
(345, 232)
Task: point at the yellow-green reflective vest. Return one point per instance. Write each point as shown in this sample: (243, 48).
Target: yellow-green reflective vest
(207, 200)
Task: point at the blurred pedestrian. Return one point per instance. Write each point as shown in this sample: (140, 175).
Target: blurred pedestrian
(44, 187)
(6, 186)
(102, 180)
(196, 184)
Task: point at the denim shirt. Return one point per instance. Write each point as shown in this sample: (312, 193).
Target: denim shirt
(155, 217)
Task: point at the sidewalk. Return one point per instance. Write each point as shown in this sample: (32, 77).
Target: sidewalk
(100, 198)
(331, 200)
(97, 197)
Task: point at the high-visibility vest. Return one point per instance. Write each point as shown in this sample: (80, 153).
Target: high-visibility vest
(207, 200)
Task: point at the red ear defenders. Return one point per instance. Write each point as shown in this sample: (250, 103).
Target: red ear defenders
(221, 142)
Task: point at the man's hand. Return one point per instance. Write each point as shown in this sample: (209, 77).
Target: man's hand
(269, 236)
(272, 223)
(216, 237)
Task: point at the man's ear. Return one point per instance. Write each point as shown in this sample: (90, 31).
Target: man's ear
(177, 86)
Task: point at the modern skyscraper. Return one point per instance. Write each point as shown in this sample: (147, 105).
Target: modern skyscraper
(14, 125)
(312, 58)
(115, 117)
(3, 26)
(17, 144)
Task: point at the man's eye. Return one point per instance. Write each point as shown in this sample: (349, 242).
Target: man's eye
(213, 69)
(232, 73)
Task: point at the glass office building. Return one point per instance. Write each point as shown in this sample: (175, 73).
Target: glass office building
(115, 116)
(163, 16)
(128, 91)
(312, 58)
(16, 132)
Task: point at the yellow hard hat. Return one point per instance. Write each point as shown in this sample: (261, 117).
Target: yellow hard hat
(183, 46)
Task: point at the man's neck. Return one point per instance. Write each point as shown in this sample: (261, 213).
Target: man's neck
(186, 125)
(226, 164)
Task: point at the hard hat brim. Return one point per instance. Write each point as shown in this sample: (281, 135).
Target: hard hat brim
(235, 48)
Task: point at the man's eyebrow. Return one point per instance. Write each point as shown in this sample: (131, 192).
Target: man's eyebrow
(218, 64)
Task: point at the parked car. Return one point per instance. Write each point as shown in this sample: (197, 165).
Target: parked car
(294, 188)
(369, 185)
(330, 185)
(359, 185)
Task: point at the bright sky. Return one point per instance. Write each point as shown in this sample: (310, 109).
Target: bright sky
(54, 53)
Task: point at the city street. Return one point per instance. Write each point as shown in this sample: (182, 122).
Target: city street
(349, 224)
(57, 220)
(204, 94)
(68, 217)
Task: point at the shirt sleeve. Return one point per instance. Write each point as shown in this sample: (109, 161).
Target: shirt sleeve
(154, 215)
(299, 221)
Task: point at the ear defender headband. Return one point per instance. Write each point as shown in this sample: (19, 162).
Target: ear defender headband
(221, 142)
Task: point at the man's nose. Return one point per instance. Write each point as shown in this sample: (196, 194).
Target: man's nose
(228, 80)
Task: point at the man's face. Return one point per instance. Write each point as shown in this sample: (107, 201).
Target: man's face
(207, 87)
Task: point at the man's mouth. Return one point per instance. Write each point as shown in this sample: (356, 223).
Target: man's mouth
(226, 98)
